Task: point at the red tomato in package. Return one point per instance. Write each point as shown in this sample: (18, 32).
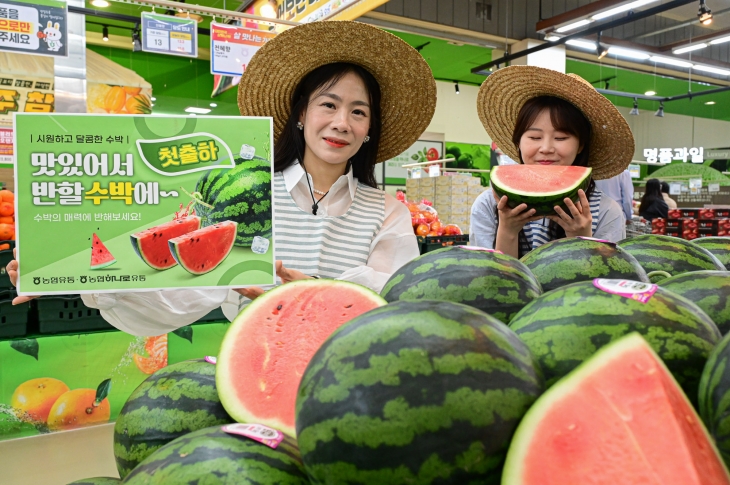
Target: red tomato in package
(400, 196)
(422, 230)
(417, 219)
(429, 216)
(452, 230)
(437, 228)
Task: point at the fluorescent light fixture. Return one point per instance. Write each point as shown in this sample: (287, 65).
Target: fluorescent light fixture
(574, 25)
(721, 40)
(689, 48)
(583, 44)
(213, 105)
(630, 53)
(552, 38)
(202, 111)
(153, 98)
(710, 103)
(100, 3)
(650, 93)
(714, 70)
(671, 62)
(621, 9)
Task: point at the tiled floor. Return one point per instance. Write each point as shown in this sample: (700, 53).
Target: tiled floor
(58, 458)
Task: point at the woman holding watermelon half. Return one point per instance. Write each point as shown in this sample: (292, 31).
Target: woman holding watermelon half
(539, 116)
(344, 96)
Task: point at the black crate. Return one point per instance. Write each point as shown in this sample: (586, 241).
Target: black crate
(13, 318)
(432, 243)
(6, 255)
(67, 313)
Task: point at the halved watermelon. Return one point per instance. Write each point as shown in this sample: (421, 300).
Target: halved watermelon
(201, 251)
(151, 244)
(269, 344)
(619, 418)
(100, 255)
(541, 187)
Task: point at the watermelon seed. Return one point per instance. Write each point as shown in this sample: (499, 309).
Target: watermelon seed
(348, 306)
(279, 307)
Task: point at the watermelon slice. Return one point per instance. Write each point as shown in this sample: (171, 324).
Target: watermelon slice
(541, 187)
(151, 244)
(269, 344)
(100, 255)
(201, 251)
(619, 418)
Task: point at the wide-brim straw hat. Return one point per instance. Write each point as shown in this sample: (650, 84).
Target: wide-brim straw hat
(407, 87)
(503, 94)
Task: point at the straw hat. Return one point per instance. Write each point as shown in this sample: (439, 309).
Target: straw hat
(408, 90)
(503, 94)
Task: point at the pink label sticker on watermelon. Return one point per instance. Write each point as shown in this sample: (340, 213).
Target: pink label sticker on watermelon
(257, 432)
(211, 360)
(477, 248)
(635, 290)
(597, 240)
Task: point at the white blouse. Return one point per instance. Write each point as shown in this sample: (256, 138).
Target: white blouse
(151, 313)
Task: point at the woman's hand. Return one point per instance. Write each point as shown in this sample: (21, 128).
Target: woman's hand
(579, 221)
(513, 220)
(286, 276)
(12, 269)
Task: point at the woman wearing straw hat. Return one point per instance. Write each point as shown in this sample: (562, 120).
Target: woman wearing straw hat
(344, 96)
(540, 116)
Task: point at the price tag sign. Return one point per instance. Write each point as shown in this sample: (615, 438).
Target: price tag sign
(434, 171)
(695, 185)
(164, 34)
(713, 187)
(231, 47)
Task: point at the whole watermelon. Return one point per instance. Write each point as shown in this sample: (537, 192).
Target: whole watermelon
(566, 326)
(669, 254)
(489, 281)
(241, 194)
(709, 290)
(173, 401)
(565, 261)
(415, 392)
(719, 246)
(714, 397)
(212, 456)
(97, 481)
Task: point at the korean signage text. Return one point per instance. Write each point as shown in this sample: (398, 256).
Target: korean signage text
(34, 28)
(668, 155)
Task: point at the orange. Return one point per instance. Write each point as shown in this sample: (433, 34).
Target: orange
(422, 230)
(7, 196)
(3, 247)
(138, 105)
(132, 91)
(156, 348)
(75, 409)
(7, 220)
(7, 232)
(34, 399)
(114, 99)
(6, 209)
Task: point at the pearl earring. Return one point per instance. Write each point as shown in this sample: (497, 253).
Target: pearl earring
(366, 139)
(300, 125)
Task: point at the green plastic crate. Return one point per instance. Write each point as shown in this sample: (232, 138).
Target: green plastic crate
(67, 313)
(13, 318)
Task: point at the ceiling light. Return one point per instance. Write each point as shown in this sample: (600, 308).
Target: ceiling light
(660, 112)
(202, 111)
(714, 70)
(153, 98)
(704, 14)
(268, 10)
(583, 44)
(105, 33)
(100, 3)
(552, 38)
(721, 40)
(621, 9)
(635, 110)
(689, 48)
(630, 53)
(710, 103)
(650, 93)
(671, 62)
(213, 105)
(574, 25)
(456, 86)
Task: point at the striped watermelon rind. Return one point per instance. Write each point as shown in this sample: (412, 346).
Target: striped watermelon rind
(414, 392)
(211, 455)
(543, 202)
(670, 254)
(719, 246)
(714, 397)
(564, 327)
(709, 290)
(569, 260)
(241, 194)
(97, 481)
(495, 283)
(173, 401)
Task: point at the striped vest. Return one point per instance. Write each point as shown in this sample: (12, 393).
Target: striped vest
(537, 231)
(326, 246)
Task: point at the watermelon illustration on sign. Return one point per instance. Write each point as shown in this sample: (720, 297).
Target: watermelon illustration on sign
(100, 255)
(151, 244)
(201, 251)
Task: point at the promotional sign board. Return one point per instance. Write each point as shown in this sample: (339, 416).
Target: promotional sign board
(164, 34)
(86, 185)
(420, 151)
(39, 27)
(313, 10)
(231, 47)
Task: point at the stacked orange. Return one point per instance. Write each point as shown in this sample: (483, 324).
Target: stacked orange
(7, 218)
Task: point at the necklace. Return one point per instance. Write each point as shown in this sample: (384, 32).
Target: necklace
(315, 203)
(320, 192)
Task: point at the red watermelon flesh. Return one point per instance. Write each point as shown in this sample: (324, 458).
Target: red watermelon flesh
(151, 244)
(620, 418)
(100, 255)
(201, 251)
(268, 346)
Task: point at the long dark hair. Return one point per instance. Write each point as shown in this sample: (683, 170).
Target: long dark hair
(652, 194)
(565, 117)
(290, 146)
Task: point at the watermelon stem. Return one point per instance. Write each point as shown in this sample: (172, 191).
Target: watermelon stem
(197, 198)
(658, 273)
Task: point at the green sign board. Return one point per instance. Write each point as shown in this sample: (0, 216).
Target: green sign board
(85, 184)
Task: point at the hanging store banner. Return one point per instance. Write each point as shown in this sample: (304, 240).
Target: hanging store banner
(24, 94)
(164, 34)
(231, 47)
(313, 10)
(96, 183)
(34, 28)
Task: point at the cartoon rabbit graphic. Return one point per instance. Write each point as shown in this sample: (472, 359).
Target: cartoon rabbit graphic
(52, 36)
